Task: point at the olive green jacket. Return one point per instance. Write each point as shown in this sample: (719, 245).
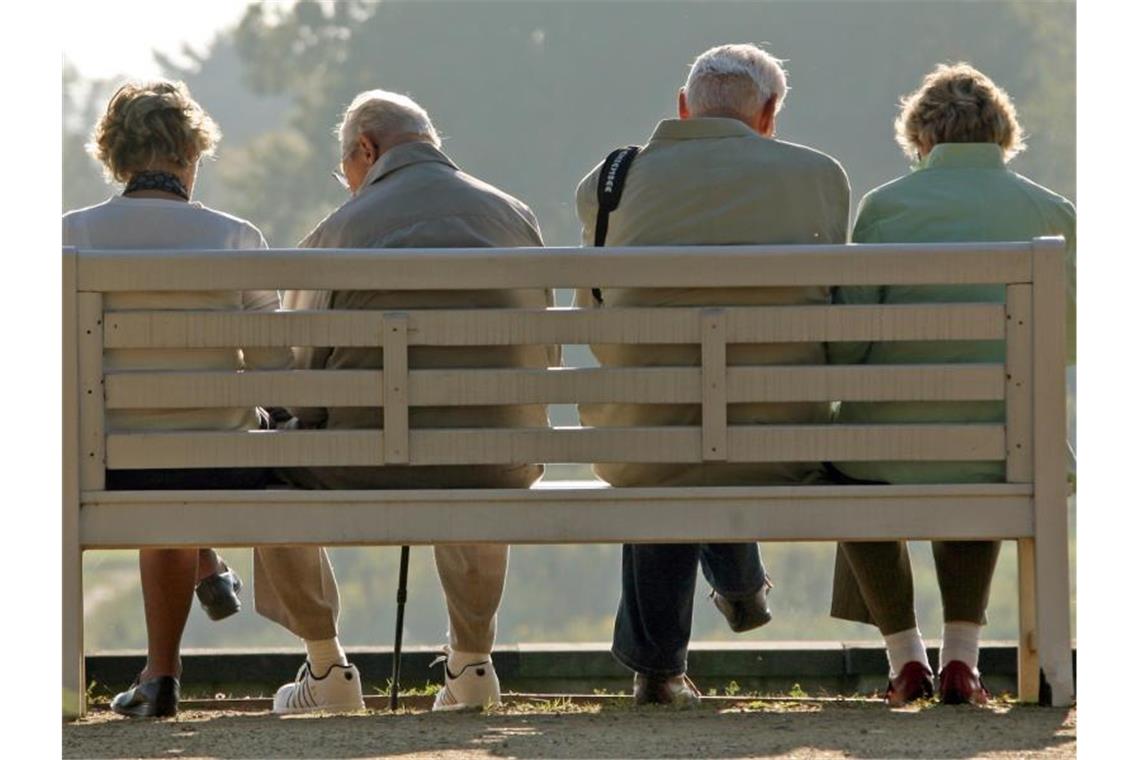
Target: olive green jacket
(959, 192)
(714, 181)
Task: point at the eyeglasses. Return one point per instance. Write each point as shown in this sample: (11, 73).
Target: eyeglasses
(338, 175)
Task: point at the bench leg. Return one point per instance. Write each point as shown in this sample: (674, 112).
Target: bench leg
(1028, 665)
(1051, 514)
(74, 685)
(74, 677)
(1054, 642)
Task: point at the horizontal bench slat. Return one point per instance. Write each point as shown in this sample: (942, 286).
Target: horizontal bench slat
(682, 385)
(488, 327)
(666, 266)
(758, 443)
(315, 448)
(473, 387)
(962, 382)
(867, 443)
(189, 390)
(965, 321)
(796, 513)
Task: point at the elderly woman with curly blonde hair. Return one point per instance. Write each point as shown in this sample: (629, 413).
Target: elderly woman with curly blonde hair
(960, 130)
(150, 139)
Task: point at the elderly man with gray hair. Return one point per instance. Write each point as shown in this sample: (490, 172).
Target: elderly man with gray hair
(714, 176)
(406, 194)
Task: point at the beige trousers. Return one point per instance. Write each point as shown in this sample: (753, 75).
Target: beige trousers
(295, 586)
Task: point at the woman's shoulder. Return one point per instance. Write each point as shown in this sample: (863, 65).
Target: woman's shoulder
(1040, 193)
(77, 221)
(888, 196)
(151, 221)
(78, 214)
(242, 227)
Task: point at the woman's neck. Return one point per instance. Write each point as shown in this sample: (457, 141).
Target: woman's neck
(156, 194)
(158, 184)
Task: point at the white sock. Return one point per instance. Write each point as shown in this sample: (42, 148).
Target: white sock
(960, 642)
(323, 654)
(903, 647)
(457, 661)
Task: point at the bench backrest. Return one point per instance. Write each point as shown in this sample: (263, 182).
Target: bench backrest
(1030, 322)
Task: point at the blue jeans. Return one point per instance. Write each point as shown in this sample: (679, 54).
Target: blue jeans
(655, 614)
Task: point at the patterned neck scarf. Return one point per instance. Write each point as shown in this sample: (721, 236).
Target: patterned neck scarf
(164, 181)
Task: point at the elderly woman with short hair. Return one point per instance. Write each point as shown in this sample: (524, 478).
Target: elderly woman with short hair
(150, 139)
(960, 130)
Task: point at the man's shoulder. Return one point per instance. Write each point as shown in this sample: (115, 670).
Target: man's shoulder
(495, 195)
(747, 153)
(810, 158)
(419, 202)
(588, 186)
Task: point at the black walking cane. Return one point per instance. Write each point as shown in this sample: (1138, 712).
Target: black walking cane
(401, 598)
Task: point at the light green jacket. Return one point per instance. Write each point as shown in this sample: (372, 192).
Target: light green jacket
(959, 192)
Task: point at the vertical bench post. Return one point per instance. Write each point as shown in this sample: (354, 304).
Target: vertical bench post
(1019, 469)
(74, 686)
(1051, 519)
(714, 394)
(396, 388)
(92, 434)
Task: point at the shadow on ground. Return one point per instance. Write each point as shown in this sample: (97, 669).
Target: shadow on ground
(567, 731)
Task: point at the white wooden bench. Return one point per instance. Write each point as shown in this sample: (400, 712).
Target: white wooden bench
(1029, 508)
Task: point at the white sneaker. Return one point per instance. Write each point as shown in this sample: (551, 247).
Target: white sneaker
(338, 690)
(474, 687)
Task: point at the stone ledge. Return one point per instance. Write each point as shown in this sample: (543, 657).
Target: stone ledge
(817, 666)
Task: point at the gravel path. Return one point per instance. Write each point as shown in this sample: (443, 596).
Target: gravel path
(804, 730)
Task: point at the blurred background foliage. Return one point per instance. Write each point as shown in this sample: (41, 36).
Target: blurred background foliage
(530, 97)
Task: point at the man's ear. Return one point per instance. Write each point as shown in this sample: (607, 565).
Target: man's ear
(682, 104)
(368, 149)
(766, 121)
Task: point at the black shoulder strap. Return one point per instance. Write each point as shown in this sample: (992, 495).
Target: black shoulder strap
(611, 182)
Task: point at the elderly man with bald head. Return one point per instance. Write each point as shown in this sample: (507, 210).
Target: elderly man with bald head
(716, 175)
(406, 193)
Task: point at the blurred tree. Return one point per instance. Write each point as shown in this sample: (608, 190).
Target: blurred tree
(249, 172)
(1047, 106)
(83, 183)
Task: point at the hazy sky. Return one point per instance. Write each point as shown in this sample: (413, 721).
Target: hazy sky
(112, 37)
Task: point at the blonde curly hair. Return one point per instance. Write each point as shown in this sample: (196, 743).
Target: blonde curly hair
(151, 124)
(957, 104)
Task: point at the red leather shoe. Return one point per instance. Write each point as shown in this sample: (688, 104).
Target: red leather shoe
(959, 684)
(914, 681)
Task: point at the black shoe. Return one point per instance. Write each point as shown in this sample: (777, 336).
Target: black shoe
(677, 691)
(745, 614)
(156, 698)
(218, 594)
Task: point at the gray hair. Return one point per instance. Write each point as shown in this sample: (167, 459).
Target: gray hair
(734, 80)
(380, 114)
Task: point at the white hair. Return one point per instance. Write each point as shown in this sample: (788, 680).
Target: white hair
(380, 114)
(734, 80)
